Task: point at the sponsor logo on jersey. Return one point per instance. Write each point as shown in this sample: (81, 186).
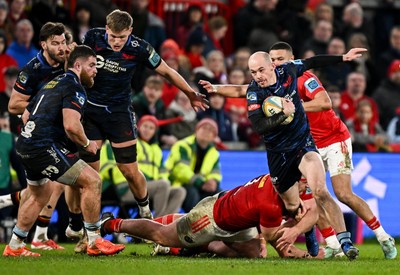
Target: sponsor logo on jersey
(253, 107)
(251, 97)
(109, 65)
(23, 77)
(311, 84)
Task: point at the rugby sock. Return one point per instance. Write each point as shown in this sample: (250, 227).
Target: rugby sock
(5, 201)
(93, 231)
(42, 224)
(75, 221)
(113, 225)
(344, 237)
(167, 219)
(330, 238)
(376, 226)
(18, 238)
(144, 207)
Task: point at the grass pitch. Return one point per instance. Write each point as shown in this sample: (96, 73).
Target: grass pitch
(136, 259)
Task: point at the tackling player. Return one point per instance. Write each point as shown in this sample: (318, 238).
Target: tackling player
(231, 218)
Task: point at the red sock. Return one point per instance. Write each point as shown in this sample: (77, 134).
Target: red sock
(327, 232)
(373, 223)
(167, 219)
(113, 225)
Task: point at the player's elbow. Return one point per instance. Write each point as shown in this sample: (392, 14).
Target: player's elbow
(326, 105)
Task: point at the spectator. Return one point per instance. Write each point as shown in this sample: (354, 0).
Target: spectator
(248, 19)
(148, 26)
(217, 28)
(22, 49)
(365, 64)
(43, 11)
(10, 76)
(236, 106)
(262, 37)
(164, 198)
(8, 158)
(354, 22)
(192, 19)
(100, 10)
(386, 57)
(5, 23)
(239, 60)
(322, 34)
(393, 130)
(82, 21)
(220, 116)
(335, 75)
(194, 163)
(387, 95)
(355, 92)
(180, 107)
(149, 102)
(194, 48)
(6, 60)
(366, 134)
(324, 11)
(17, 11)
(174, 58)
(214, 70)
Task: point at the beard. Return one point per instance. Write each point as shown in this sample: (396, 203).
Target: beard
(86, 80)
(58, 59)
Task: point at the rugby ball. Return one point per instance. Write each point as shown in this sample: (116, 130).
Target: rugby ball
(273, 105)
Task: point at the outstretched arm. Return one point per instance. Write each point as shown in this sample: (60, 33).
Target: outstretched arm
(197, 100)
(225, 90)
(289, 234)
(318, 61)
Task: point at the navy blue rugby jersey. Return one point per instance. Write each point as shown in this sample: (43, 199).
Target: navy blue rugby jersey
(35, 75)
(45, 124)
(112, 84)
(288, 137)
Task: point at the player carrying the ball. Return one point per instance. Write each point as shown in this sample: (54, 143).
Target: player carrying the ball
(291, 150)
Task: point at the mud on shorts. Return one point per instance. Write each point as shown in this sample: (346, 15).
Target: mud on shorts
(284, 166)
(337, 158)
(198, 226)
(54, 163)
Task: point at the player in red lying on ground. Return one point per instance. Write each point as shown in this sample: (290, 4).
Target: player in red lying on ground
(227, 222)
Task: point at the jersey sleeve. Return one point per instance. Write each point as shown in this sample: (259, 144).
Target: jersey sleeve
(151, 57)
(254, 102)
(25, 82)
(74, 99)
(309, 85)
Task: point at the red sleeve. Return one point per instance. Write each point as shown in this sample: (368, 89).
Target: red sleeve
(308, 86)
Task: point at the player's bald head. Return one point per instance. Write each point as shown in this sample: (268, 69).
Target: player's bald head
(260, 57)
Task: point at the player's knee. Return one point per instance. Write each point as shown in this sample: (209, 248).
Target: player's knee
(343, 196)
